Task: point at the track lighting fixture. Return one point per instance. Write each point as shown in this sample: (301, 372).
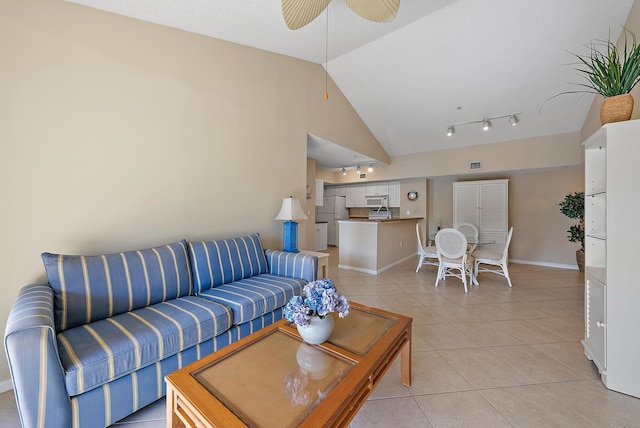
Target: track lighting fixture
(358, 168)
(486, 122)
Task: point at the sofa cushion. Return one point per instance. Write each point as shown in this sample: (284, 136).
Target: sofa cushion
(99, 352)
(253, 297)
(224, 261)
(91, 288)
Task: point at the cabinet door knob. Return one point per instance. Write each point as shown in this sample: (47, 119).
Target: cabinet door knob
(600, 324)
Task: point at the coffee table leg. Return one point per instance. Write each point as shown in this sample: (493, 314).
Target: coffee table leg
(405, 361)
(172, 420)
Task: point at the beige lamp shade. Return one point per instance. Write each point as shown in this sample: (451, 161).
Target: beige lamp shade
(291, 210)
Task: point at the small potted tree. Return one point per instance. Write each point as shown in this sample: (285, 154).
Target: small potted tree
(573, 207)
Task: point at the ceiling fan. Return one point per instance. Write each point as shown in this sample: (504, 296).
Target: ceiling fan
(298, 13)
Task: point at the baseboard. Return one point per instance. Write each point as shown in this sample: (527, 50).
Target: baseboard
(5, 386)
(373, 271)
(396, 263)
(357, 269)
(545, 264)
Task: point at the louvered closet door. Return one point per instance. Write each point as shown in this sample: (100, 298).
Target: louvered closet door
(483, 204)
(493, 214)
(465, 204)
(493, 206)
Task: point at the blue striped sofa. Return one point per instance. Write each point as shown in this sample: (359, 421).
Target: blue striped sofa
(93, 344)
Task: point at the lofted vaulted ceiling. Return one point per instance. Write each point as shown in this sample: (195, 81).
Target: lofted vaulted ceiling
(440, 62)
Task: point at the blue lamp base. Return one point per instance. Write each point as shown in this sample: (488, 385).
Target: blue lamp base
(290, 236)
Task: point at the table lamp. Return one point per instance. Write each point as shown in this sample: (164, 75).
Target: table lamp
(290, 211)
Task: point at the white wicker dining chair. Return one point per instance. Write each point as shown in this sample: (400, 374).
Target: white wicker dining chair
(452, 255)
(470, 231)
(428, 253)
(494, 258)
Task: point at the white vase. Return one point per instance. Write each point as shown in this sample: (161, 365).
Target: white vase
(318, 330)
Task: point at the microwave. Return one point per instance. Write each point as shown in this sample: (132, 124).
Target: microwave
(379, 201)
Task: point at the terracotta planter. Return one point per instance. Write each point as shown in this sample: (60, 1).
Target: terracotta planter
(616, 109)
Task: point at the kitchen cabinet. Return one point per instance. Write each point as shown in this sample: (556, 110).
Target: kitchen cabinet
(612, 297)
(355, 194)
(484, 204)
(394, 194)
(339, 190)
(319, 192)
(321, 236)
(377, 189)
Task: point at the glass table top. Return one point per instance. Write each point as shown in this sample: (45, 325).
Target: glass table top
(359, 330)
(277, 380)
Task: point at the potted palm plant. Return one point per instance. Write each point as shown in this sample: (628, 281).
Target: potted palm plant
(612, 73)
(573, 207)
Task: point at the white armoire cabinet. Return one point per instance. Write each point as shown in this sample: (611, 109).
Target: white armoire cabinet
(484, 204)
(612, 290)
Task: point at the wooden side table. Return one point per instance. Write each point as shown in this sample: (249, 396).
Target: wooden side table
(323, 263)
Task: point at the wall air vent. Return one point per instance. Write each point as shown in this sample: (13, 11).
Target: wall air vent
(475, 165)
(363, 176)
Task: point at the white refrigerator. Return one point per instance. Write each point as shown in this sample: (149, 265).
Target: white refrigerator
(333, 208)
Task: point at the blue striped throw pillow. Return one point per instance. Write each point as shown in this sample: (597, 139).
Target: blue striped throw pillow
(224, 261)
(91, 288)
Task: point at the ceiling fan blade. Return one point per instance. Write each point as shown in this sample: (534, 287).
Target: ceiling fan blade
(375, 10)
(298, 13)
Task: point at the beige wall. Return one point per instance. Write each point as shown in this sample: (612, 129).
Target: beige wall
(527, 154)
(539, 229)
(116, 135)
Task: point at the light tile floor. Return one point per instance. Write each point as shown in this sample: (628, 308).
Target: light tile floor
(494, 357)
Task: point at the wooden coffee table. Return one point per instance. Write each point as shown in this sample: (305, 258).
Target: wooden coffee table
(274, 379)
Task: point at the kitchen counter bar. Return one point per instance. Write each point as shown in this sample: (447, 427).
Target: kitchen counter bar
(373, 246)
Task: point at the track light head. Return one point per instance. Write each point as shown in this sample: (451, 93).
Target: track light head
(370, 169)
(344, 171)
(513, 120)
(358, 169)
(450, 131)
(486, 125)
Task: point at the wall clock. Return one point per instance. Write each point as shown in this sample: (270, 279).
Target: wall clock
(412, 195)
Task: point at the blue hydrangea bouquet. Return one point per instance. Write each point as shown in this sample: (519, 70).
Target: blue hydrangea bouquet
(319, 298)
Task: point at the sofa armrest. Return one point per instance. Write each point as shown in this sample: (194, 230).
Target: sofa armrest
(32, 351)
(294, 265)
